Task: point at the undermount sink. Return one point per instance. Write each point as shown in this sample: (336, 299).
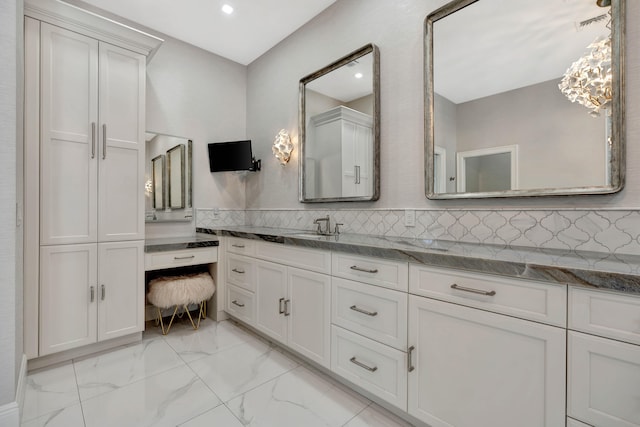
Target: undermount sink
(311, 236)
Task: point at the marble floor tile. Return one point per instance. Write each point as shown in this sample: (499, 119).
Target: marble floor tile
(112, 370)
(220, 416)
(71, 416)
(210, 338)
(166, 399)
(298, 398)
(376, 416)
(50, 390)
(233, 371)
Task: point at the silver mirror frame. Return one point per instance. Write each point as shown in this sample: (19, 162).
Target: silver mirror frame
(617, 162)
(171, 167)
(370, 48)
(157, 165)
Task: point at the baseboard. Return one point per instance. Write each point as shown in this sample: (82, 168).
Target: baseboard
(22, 383)
(64, 356)
(10, 415)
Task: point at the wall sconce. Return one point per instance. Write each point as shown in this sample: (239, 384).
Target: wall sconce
(282, 147)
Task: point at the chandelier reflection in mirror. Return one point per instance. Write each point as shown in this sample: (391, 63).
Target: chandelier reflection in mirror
(588, 80)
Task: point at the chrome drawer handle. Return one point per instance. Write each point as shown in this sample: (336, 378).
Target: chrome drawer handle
(473, 291)
(359, 310)
(235, 270)
(102, 292)
(104, 141)
(184, 257)
(366, 270)
(362, 365)
(410, 366)
(93, 140)
(286, 307)
(93, 293)
(238, 246)
(280, 309)
(237, 303)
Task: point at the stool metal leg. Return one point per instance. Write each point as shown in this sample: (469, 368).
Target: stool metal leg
(170, 322)
(190, 318)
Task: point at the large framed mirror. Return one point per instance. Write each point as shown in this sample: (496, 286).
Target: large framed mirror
(524, 98)
(339, 130)
(168, 179)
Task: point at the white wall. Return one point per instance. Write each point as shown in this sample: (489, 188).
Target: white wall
(201, 96)
(397, 28)
(10, 288)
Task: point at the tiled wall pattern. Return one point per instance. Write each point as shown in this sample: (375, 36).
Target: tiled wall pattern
(612, 231)
(211, 218)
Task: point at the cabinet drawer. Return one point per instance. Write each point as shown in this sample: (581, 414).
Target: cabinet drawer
(181, 258)
(376, 271)
(241, 271)
(603, 313)
(377, 368)
(240, 304)
(309, 259)
(236, 245)
(542, 302)
(603, 381)
(377, 313)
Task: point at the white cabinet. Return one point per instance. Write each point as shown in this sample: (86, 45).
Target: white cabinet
(604, 371)
(90, 293)
(474, 368)
(86, 122)
(283, 292)
(604, 381)
(92, 143)
(293, 307)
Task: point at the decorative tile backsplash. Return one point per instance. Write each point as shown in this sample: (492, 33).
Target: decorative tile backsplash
(611, 231)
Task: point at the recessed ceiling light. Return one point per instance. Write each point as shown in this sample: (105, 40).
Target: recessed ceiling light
(227, 9)
(358, 75)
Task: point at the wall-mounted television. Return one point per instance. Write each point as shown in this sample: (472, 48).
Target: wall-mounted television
(232, 156)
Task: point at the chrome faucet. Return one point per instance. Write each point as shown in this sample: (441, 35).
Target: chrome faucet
(327, 225)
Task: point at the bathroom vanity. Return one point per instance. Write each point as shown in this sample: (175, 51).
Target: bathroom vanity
(423, 327)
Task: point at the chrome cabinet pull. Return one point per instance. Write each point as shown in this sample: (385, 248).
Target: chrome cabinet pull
(184, 257)
(102, 292)
(410, 366)
(362, 365)
(235, 270)
(286, 307)
(104, 141)
(235, 301)
(473, 291)
(93, 293)
(238, 246)
(359, 310)
(280, 308)
(357, 174)
(366, 270)
(93, 140)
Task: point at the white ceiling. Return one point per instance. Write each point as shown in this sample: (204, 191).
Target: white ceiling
(252, 29)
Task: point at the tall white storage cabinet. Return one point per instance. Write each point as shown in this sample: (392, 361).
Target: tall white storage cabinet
(90, 170)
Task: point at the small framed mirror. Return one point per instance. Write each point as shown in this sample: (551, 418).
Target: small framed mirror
(158, 182)
(339, 130)
(169, 182)
(176, 180)
(524, 98)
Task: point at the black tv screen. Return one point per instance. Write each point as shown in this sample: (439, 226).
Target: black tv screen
(230, 156)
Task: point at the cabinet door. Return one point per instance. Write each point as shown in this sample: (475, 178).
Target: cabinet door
(120, 289)
(271, 293)
(309, 306)
(476, 368)
(121, 148)
(604, 381)
(69, 120)
(68, 297)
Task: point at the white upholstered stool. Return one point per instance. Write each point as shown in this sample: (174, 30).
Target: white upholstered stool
(180, 291)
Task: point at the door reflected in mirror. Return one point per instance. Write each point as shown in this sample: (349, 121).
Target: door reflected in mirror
(169, 178)
(501, 78)
(339, 118)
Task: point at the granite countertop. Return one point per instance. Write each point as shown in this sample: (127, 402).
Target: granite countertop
(617, 272)
(178, 243)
